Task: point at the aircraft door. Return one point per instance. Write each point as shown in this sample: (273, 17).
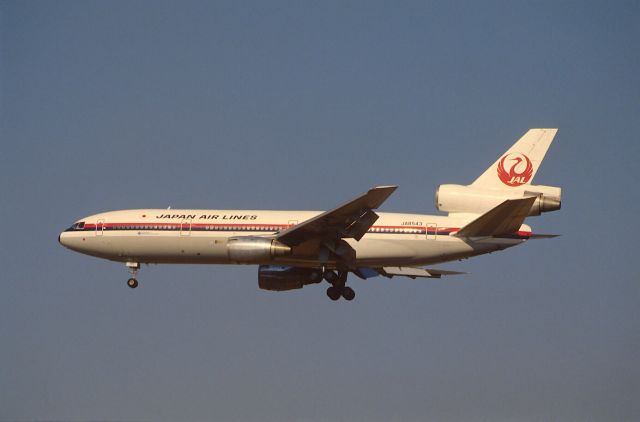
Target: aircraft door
(431, 231)
(185, 228)
(99, 227)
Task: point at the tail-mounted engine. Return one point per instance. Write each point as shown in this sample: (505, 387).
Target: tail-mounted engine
(467, 199)
(281, 278)
(252, 249)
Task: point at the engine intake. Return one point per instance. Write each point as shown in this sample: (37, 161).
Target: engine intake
(251, 249)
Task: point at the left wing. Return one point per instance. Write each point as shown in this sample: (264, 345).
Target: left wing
(414, 272)
(351, 220)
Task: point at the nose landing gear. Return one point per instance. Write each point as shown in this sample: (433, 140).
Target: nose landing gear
(338, 288)
(133, 270)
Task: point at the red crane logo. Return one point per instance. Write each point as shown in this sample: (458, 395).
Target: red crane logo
(520, 172)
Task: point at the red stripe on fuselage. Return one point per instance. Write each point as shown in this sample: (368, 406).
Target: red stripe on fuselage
(271, 227)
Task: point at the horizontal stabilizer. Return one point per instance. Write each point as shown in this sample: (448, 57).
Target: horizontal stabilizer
(506, 218)
(543, 236)
(414, 272)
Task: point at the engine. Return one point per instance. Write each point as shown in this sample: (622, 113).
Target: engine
(458, 198)
(252, 249)
(281, 278)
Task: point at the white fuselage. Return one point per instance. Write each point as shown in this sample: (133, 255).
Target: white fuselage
(201, 236)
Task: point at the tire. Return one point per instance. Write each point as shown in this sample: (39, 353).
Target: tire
(132, 282)
(333, 293)
(348, 293)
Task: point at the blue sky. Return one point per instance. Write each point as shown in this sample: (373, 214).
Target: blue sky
(303, 105)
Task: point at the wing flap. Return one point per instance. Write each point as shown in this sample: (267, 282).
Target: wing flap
(504, 219)
(360, 224)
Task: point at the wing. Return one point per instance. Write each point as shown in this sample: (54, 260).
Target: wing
(412, 272)
(351, 220)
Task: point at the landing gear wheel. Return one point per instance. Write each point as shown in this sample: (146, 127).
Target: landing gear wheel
(333, 293)
(132, 282)
(348, 293)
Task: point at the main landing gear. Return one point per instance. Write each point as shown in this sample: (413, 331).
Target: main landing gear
(133, 270)
(338, 288)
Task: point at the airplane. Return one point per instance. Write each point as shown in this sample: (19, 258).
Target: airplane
(297, 248)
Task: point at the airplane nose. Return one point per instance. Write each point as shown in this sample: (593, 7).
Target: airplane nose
(60, 239)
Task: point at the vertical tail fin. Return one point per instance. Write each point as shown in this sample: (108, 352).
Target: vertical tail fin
(520, 163)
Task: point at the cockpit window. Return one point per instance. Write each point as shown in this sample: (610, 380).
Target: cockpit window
(78, 226)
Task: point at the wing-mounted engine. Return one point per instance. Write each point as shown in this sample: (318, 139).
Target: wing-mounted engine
(253, 249)
(281, 278)
(469, 199)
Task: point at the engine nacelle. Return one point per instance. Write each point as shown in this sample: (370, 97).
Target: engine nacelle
(281, 278)
(252, 249)
(467, 199)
